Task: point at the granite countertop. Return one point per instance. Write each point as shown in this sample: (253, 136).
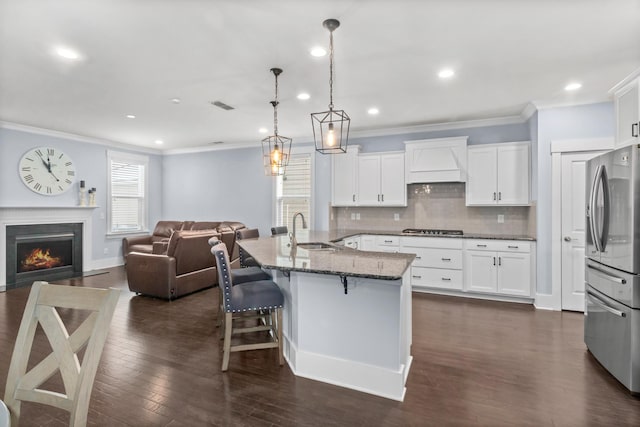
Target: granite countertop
(274, 253)
(337, 235)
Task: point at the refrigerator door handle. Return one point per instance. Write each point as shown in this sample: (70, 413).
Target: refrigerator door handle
(592, 211)
(604, 234)
(597, 301)
(610, 277)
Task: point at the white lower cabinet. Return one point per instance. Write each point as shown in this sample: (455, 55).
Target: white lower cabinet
(498, 266)
(387, 244)
(352, 242)
(438, 262)
(367, 242)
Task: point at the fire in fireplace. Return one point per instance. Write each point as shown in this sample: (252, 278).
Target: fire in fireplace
(51, 252)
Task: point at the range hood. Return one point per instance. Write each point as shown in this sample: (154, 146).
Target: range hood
(436, 160)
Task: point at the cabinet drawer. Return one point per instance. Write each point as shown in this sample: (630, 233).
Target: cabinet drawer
(388, 240)
(436, 278)
(498, 245)
(438, 258)
(430, 242)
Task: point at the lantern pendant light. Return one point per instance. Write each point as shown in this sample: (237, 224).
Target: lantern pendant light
(331, 128)
(275, 148)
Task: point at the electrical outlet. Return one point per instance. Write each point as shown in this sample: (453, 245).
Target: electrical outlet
(396, 217)
(106, 251)
(358, 216)
(353, 216)
(500, 219)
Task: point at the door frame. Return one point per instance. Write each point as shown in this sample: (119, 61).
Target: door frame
(553, 301)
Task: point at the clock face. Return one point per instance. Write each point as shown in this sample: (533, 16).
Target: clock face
(47, 171)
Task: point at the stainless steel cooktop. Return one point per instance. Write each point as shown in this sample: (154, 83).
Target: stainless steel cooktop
(432, 232)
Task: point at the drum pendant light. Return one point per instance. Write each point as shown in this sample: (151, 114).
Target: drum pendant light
(331, 128)
(275, 148)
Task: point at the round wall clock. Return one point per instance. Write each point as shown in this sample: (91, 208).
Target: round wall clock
(47, 171)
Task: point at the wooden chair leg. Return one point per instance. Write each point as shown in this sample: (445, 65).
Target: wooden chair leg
(279, 328)
(228, 320)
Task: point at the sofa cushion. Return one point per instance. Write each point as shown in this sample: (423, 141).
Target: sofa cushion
(205, 225)
(164, 229)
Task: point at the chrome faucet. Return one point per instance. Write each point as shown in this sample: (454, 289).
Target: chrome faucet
(292, 235)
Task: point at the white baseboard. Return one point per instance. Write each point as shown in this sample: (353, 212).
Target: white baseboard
(99, 264)
(3, 288)
(370, 379)
(547, 302)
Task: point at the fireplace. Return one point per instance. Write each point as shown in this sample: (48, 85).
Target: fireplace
(43, 252)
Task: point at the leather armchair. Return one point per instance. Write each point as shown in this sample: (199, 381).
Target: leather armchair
(144, 244)
(186, 267)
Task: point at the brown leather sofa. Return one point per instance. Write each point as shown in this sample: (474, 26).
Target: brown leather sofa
(186, 267)
(157, 242)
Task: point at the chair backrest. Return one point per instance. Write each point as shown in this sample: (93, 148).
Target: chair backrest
(281, 229)
(77, 379)
(245, 233)
(219, 251)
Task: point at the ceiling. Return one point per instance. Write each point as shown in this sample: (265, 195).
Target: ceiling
(139, 55)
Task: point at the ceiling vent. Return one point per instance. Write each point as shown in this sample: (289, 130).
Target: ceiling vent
(222, 105)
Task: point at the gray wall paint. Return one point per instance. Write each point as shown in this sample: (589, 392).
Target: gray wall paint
(218, 185)
(585, 121)
(91, 166)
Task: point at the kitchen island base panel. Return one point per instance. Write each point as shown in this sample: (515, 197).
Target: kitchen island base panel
(359, 340)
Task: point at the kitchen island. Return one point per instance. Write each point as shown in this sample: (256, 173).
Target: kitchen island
(347, 313)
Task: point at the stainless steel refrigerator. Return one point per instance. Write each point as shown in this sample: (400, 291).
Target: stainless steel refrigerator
(612, 272)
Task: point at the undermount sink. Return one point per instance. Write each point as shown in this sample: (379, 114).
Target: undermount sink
(311, 246)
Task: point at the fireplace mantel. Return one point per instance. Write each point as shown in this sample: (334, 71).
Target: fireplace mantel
(46, 215)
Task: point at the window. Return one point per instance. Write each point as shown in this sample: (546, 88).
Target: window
(293, 192)
(127, 197)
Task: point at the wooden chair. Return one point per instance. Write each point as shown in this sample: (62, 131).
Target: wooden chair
(77, 379)
(262, 300)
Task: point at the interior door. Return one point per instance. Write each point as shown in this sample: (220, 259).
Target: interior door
(574, 200)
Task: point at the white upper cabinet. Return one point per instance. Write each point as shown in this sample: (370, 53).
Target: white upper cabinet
(498, 174)
(626, 96)
(344, 170)
(381, 180)
(436, 160)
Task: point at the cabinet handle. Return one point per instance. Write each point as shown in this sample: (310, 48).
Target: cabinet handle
(378, 197)
(481, 246)
(634, 130)
(383, 197)
(354, 197)
(446, 279)
(417, 277)
(499, 260)
(515, 247)
(494, 260)
(388, 241)
(499, 195)
(446, 259)
(418, 257)
(494, 195)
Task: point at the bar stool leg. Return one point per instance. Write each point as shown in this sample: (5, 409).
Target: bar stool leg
(228, 319)
(279, 326)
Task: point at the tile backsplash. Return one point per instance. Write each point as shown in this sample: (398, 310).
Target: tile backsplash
(440, 206)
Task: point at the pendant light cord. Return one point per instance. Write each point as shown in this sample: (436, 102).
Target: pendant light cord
(330, 70)
(275, 110)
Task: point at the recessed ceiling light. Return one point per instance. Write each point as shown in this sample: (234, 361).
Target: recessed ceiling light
(263, 130)
(67, 53)
(176, 100)
(159, 141)
(303, 96)
(318, 51)
(130, 116)
(573, 86)
(373, 111)
(446, 73)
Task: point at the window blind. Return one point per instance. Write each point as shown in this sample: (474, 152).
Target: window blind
(127, 210)
(295, 190)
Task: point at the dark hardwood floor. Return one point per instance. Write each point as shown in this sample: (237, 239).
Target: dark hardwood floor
(475, 363)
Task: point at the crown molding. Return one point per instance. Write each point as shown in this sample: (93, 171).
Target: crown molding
(634, 74)
(74, 137)
(542, 105)
(220, 147)
(528, 111)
